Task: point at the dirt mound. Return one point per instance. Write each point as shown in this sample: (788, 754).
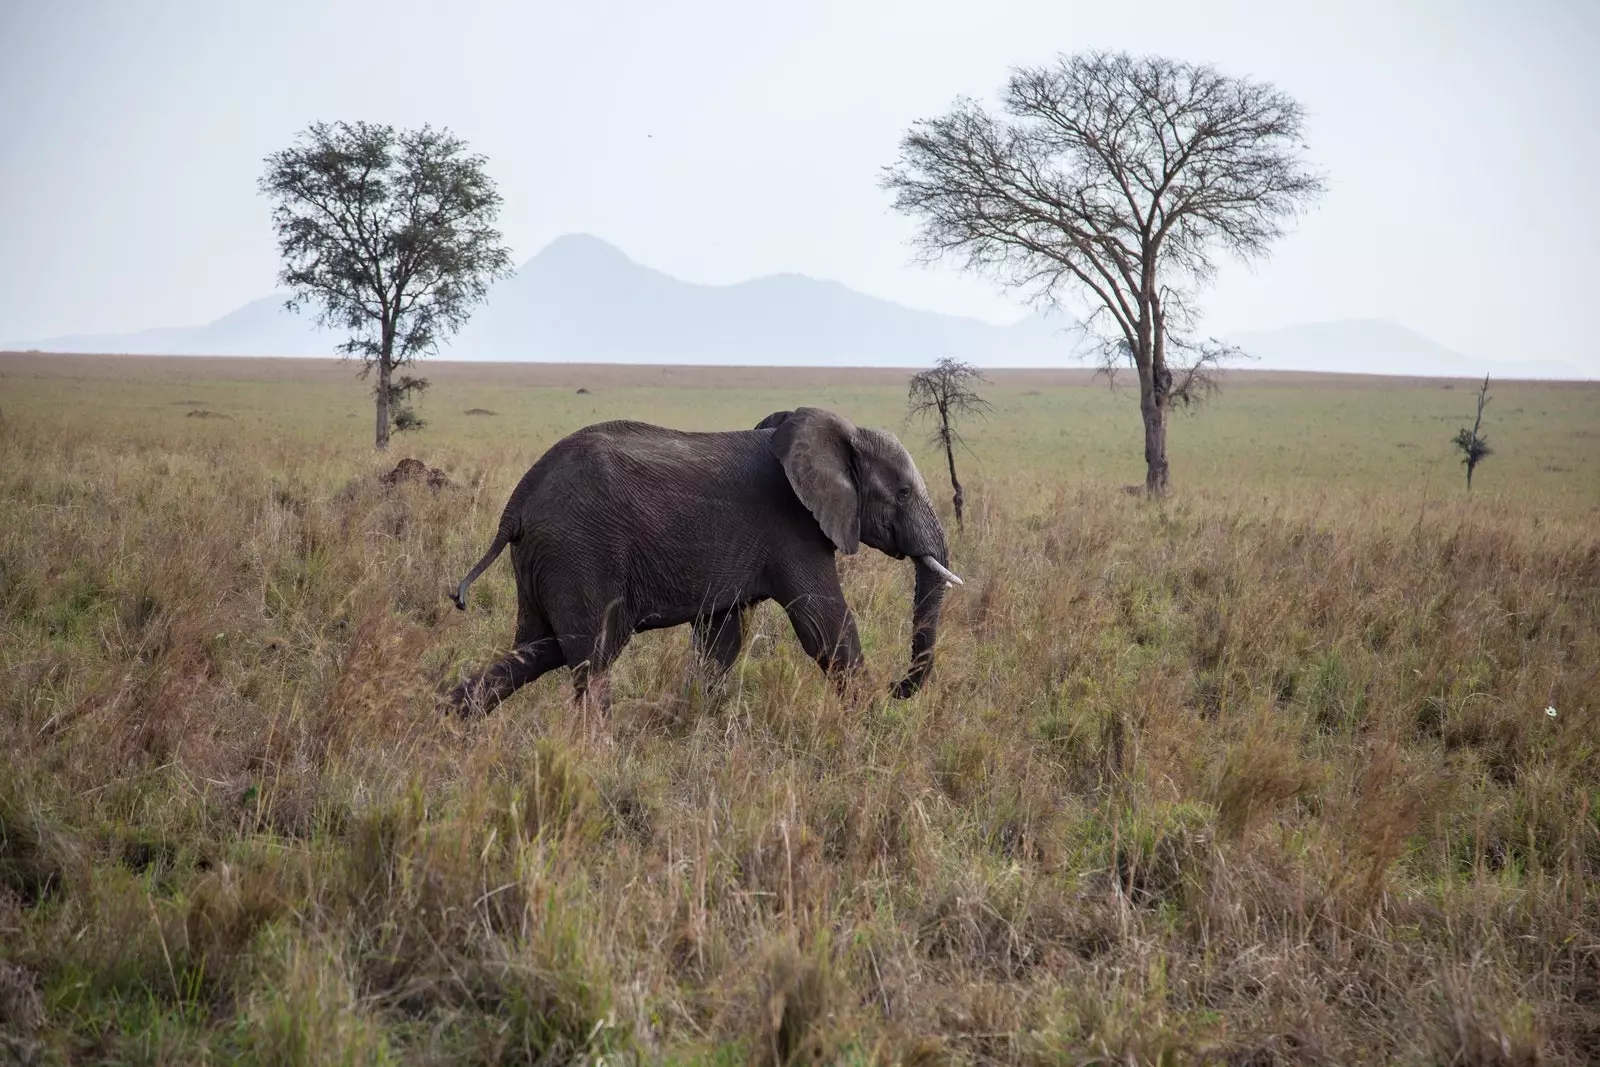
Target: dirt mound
(582, 391)
(478, 411)
(204, 413)
(414, 470)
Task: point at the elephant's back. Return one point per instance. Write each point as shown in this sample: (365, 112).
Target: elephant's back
(631, 469)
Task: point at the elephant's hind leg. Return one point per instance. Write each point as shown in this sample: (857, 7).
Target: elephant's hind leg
(591, 650)
(506, 675)
(591, 693)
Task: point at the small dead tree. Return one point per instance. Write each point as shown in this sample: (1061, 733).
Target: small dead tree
(945, 393)
(1123, 179)
(1473, 444)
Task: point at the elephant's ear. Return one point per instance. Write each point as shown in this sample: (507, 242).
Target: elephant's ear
(817, 453)
(773, 420)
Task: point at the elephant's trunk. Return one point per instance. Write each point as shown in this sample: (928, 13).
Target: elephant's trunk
(929, 599)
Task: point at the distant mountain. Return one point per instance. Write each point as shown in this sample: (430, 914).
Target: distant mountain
(260, 328)
(1375, 346)
(163, 340)
(583, 301)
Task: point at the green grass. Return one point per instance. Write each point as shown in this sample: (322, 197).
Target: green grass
(1265, 430)
(1259, 774)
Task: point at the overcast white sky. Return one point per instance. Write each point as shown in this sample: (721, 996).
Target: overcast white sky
(723, 139)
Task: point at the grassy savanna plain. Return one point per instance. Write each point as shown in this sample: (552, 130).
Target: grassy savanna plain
(1259, 774)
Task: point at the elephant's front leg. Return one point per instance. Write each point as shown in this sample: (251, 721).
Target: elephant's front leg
(826, 629)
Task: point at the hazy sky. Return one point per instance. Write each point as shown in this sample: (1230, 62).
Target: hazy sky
(722, 140)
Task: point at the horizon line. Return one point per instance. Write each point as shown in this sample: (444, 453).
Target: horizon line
(1093, 371)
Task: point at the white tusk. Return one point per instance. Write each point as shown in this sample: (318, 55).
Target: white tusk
(944, 572)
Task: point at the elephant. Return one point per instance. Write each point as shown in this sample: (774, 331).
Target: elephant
(623, 527)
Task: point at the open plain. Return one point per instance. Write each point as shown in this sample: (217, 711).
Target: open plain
(1300, 765)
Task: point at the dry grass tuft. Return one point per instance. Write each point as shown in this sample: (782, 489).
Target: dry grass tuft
(793, 1005)
(1480, 1029)
(307, 1011)
(21, 1008)
(1259, 772)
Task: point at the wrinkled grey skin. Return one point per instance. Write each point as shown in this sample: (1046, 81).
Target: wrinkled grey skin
(624, 527)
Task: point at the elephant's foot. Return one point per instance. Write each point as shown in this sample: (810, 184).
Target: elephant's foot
(466, 700)
(849, 682)
(906, 688)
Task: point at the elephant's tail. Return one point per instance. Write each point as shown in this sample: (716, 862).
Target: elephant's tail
(507, 533)
(495, 548)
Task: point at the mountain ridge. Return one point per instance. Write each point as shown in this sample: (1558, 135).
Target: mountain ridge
(583, 300)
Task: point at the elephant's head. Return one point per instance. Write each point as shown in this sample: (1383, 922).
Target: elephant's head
(863, 488)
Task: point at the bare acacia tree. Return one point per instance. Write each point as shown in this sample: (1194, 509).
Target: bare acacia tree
(391, 236)
(946, 392)
(1473, 444)
(1119, 177)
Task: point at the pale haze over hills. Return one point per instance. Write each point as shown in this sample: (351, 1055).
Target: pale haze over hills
(583, 300)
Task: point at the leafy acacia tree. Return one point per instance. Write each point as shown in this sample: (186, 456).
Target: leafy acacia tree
(390, 235)
(946, 393)
(1120, 178)
(1473, 444)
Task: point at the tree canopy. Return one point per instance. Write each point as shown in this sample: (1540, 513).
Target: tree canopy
(1120, 180)
(390, 236)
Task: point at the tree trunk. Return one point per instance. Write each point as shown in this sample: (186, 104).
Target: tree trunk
(959, 498)
(1155, 383)
(1155, 443)
(384, 371)
(1469, 476)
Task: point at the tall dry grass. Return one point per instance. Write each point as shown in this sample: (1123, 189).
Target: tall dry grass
(1237, 778)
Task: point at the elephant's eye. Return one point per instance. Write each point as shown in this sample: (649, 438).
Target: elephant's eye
(903, 493)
